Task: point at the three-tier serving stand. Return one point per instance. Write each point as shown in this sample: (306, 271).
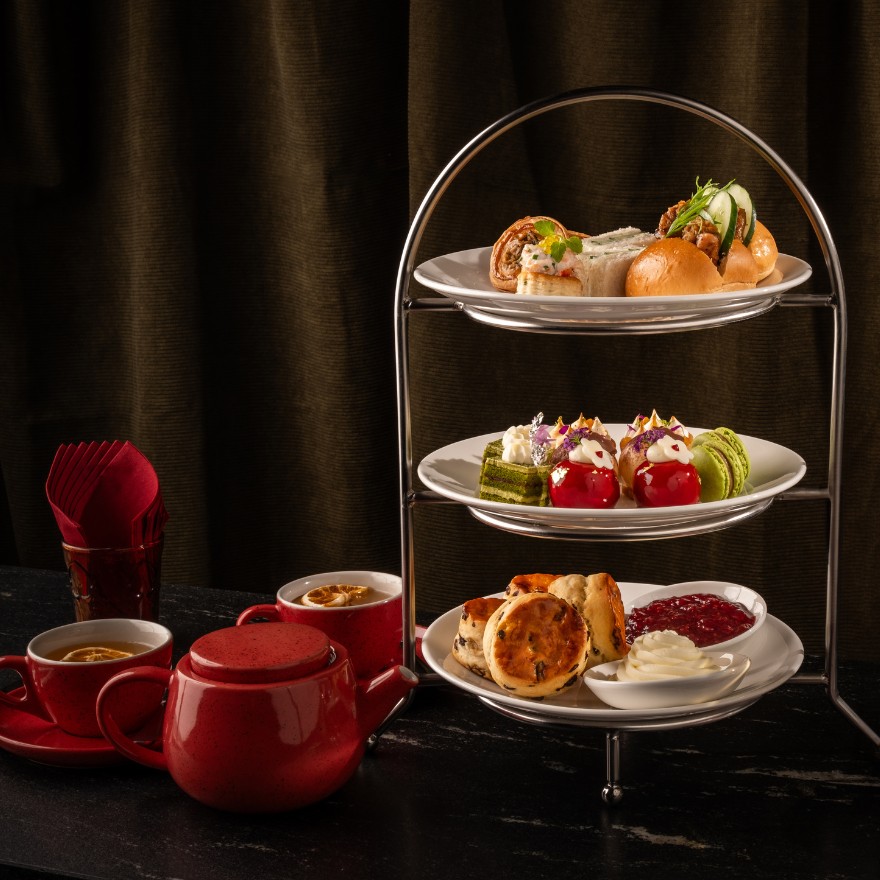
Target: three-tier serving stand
(410, 496)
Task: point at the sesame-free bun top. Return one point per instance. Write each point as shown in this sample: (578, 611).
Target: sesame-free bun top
(763, 248)
(670, 267)
(673, 267)
(738, 269)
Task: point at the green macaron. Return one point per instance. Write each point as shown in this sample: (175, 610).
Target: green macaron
(722, 450)
(739, 447)
(714, 471)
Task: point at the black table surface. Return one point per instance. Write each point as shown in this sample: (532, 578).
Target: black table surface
(787, 788)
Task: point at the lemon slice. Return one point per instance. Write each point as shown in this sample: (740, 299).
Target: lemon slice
(334, 595)
(90, 655)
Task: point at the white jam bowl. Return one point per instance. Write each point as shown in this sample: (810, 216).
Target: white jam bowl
(753, 602)
(667, 692)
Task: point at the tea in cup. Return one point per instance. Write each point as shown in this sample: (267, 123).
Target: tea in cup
(65, 668)
(360, 609)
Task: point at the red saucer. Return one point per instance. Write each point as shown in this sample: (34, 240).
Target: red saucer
(28, 736)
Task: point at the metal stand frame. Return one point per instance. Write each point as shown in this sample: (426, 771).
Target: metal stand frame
(404, 305)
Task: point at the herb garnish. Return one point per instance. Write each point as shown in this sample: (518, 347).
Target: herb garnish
(554, 244)
(696, 204)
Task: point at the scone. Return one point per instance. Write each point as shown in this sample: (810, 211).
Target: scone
(467, 646)
(529, 583)
(535, 645)
(597, 598)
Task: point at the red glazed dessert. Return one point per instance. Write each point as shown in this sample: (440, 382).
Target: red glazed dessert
(666, 484)
(573, 484)
(586, 475)
(655, 463)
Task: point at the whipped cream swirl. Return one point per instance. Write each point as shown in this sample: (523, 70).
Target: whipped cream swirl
(517, 445)
(664, 654)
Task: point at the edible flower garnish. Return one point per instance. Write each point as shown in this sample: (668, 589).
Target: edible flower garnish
(553, 244)
(695, 205)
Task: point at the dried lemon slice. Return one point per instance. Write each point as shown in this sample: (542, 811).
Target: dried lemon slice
(334, 595)
(90, 655)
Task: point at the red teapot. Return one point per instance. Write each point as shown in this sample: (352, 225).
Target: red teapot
(260, 718)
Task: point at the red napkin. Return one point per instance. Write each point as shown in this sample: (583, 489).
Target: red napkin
(105, 495)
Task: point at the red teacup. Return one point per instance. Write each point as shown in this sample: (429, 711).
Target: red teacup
(66, 691)
(372, 632)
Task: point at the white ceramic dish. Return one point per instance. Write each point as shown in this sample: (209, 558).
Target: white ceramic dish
(775, 651)
(752, 601)
(454, 472)
(464, 277)
(602, 681)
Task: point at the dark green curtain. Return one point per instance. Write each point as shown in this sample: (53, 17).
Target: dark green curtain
(204, 206)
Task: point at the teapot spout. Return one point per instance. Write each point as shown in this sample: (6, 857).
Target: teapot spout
(377, 697)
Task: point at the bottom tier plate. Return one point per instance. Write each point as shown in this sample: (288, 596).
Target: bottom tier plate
(775, 650)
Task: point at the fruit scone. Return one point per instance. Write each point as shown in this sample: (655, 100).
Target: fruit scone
(539, 639)
(467, 647)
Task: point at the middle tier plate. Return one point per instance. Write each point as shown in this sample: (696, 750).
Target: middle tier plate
(454, 473)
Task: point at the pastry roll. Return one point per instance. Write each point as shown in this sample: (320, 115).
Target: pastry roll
(504, 266)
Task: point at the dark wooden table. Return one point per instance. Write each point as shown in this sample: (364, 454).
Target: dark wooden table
(788, 788)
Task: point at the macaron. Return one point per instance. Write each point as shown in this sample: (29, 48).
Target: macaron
(714, 471)
(719, 453)
(739, 447)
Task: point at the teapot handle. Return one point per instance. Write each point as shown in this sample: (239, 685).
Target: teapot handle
(112, 731)
(269, 612)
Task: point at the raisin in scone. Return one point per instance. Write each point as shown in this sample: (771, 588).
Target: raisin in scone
(535, 644)
(597, 598)
(467, 646)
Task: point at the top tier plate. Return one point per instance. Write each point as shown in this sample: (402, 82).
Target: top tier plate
(464, 278)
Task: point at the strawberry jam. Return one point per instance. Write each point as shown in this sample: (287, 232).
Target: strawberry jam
(705, 618)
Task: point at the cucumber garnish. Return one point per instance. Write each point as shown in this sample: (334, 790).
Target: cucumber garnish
(722, 211)
(744, 201)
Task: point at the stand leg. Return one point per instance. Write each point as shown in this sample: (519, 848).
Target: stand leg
(612, 792)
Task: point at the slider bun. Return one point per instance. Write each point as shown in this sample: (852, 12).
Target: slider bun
(739, 271)
(670, 267)
(763, 249)
(673, 267)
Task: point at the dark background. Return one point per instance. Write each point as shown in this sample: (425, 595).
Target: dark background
(203, 210)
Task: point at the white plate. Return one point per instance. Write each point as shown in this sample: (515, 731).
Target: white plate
(454, 472)
(775, 651)
(752, 601)
(464, 277)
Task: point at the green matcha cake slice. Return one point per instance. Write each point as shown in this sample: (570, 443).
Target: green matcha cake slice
(511, 483)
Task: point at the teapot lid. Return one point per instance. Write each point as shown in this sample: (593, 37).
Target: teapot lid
(260, 653)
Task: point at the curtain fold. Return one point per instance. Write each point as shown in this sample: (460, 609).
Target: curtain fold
(203, 210)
